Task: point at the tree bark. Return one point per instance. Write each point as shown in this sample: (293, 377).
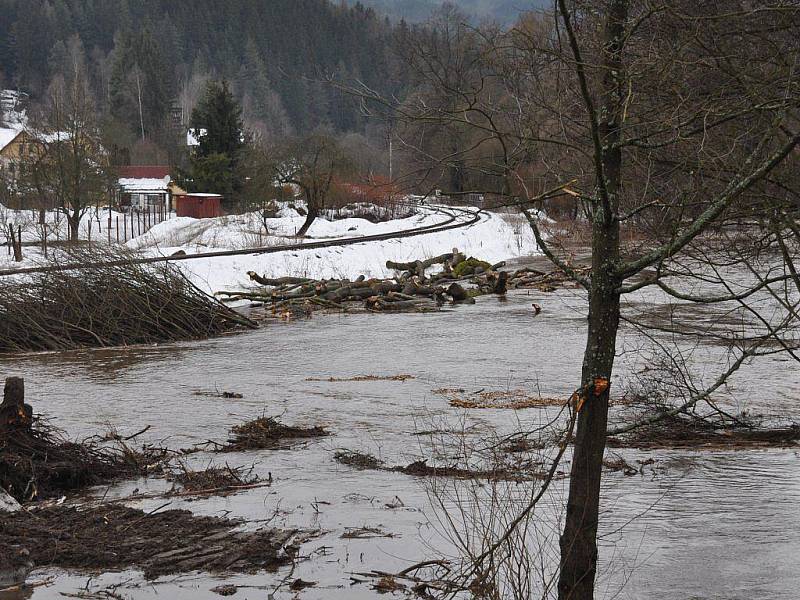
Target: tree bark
(579, 539)
(313, 213)
(16, 242)
(500, 286)
(74, 224)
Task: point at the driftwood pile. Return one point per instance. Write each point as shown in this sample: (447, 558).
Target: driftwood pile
(691, 431)
(518, 471)
(411, 290)
(112, 301)
(36, 462)
(268, 433)
(114, 537)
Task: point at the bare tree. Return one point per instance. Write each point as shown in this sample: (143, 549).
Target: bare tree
(312, 163)
(676, 120)
(65, 166)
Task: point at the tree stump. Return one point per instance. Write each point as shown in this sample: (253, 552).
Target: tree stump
(13, 411)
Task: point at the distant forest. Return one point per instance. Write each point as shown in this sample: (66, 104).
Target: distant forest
(504, 12)
(160, 54)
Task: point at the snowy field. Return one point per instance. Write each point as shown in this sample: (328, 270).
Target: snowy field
(491, 239)
(95, 225)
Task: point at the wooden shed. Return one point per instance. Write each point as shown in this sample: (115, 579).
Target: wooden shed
(198, 206)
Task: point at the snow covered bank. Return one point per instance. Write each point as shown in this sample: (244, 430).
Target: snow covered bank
(491, 239)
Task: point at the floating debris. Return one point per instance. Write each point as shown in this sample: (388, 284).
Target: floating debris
(36, 462)
(696, 433)
(401, 377)
(268, 432)
(114, 537)
(421, 468)
(503, 399)
(220, 480)
(365, 533)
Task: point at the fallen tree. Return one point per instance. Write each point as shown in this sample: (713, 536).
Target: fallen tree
(122, 303)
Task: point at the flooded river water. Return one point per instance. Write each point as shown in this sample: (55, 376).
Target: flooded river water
(705, 525)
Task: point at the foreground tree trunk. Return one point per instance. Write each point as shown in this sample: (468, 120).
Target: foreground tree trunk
(579, 540)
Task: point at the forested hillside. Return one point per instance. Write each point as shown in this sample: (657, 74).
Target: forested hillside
(504, 12)
(273, 52)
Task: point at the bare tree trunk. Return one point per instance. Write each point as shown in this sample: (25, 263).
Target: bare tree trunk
(74, 223)
(579, 540)
(313, 213)
(139, 92)
(16, 242)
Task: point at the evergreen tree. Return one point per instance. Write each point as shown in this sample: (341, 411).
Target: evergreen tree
(142, 86)
(217, 122)
(217, 125)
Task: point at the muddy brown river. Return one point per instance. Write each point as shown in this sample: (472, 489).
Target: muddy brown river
(700, 525)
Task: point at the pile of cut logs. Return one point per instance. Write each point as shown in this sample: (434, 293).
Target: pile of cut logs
(459, 281)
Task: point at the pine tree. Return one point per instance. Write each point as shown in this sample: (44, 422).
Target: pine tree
(217, 122)
(142, 86)
(217, 125)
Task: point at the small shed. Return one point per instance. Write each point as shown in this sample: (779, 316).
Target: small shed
(144, 186)
(198, 206)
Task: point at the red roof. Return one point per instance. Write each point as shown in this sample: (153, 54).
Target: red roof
(143, 172)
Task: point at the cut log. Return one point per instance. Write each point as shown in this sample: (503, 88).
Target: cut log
(377, 303)
(457, 293)
(418, 266)
(500, 284)
(394, 296)
(276, 282)
(338, 294)
(384, 287)
(361, 293)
